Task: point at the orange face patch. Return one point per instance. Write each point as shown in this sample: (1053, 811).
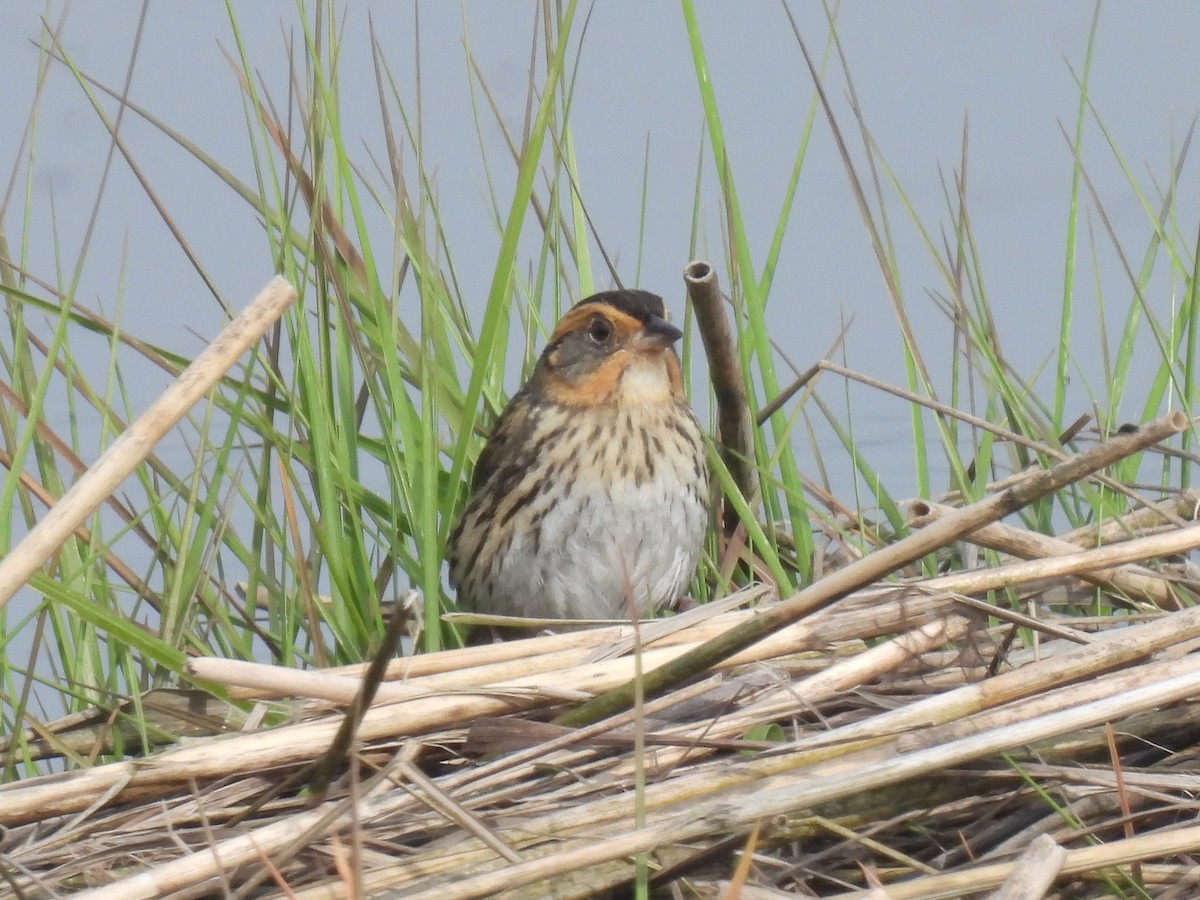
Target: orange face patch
(597, 388)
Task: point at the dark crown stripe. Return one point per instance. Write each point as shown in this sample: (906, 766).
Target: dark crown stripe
(639, 304)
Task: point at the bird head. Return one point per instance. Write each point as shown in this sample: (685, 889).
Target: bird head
(612, 347)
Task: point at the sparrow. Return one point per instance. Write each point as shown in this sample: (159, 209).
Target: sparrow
(593, 490)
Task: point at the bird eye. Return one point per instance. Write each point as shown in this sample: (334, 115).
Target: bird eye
(599, 330)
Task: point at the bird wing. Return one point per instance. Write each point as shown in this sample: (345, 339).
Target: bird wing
(513, 430)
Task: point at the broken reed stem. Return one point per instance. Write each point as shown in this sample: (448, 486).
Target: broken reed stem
(1029, 545)
(1082, 563)
(1160, 844)
(1113, 649)
(1038, 697)
(736, 440)
(880, 563)
(1184, 507)
(100, 480)
(1034, 872)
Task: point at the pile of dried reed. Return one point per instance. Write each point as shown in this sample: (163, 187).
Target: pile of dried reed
(903, 738)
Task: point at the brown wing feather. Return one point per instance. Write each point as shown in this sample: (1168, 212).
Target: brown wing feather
(512, 431)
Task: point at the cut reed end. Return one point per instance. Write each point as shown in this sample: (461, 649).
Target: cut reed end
(734, 426)
(698, 272)
(920, 514)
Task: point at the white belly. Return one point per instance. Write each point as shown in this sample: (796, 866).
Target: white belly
(583, 568)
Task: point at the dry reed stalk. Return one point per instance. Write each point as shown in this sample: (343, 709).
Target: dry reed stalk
(734, 429)
(1174, 511)
(422, 664)
(1034, 872)
(879, 564)
(1075, 563)
(441, 802)
(259, 680)
(200, 866)
(1163, 843)
(1106, 779)
(1010, 616)
(262, 680)
(1113, 649)
(890, 853)
(727, 889)
(689, 627)
(83, 535)
(1020, 542)
(738, 809)
(321, 774)
(97, 484)
(1048, 700)
(805, 693)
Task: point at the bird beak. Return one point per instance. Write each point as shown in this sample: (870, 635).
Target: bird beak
(656, 334)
